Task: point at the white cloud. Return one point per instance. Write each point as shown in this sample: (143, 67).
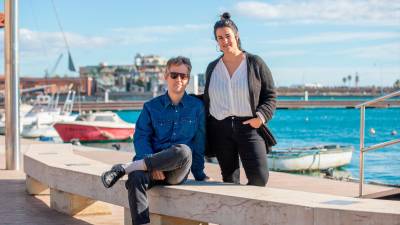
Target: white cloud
(334, 37)
(168, 29)
(382, 12)
(34, 43)
(283, 53)
(389, 51)
(332, 76)
(151, 34)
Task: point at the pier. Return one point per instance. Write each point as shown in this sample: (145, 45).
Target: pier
(285, 104)
(138, 105)
(65, 188)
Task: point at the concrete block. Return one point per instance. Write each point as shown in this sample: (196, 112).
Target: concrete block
(127, 217)
(34, 187)
(72, 204)
(156, 219)
(334, 217)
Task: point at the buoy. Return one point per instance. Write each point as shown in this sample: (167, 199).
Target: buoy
(394, 132)
(372, 131)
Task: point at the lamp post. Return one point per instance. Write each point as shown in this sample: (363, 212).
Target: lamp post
(12, 84)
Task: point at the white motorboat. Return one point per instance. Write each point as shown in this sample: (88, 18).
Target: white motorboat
(310, 158)
(23, 110)
(40, 120)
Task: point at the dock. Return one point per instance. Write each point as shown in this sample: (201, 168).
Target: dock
(138, 105)
(284, 104)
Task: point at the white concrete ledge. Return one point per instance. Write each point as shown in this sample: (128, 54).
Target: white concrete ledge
(60, 169)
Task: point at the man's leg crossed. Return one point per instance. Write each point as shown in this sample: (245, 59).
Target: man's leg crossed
(175, 162)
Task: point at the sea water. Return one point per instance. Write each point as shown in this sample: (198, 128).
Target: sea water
(310, 127)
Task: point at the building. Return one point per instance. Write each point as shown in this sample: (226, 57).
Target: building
(150, 70)
(55, 84)
(108, 77)
(144, 75)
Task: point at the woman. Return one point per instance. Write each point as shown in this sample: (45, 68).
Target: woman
(240, 97)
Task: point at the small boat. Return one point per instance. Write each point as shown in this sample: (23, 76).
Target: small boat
(38, 122)
(23, 110)
(92, 127)
(310, 158)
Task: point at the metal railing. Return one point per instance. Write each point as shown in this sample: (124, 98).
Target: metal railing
(362, 135)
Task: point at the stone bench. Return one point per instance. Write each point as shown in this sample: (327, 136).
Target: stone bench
(73, 182)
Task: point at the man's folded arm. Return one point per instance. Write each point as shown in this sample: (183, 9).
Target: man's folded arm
(198, 149)
(143, 134)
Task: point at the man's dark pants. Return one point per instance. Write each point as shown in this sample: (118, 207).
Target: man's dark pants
(175, 162)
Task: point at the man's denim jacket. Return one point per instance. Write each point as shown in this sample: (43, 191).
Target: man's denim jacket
(162, 124)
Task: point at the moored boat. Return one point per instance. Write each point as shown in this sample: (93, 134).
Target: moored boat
(38, 122)
(310, 158)
(99, 126)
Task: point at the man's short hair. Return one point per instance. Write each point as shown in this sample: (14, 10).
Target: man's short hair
(179, 60)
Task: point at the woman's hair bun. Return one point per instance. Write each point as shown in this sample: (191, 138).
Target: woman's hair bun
(225, 16)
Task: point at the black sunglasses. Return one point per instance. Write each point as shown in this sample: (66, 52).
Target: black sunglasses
(175, 75)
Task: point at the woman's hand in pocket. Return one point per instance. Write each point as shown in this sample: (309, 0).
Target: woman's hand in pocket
(254, 122)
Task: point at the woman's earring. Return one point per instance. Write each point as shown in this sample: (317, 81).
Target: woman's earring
(217, 48)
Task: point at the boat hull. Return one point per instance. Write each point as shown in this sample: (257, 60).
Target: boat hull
(36, 132)
(87, 133)
(312, 160)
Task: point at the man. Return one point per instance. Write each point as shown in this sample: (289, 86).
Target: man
(169, 142)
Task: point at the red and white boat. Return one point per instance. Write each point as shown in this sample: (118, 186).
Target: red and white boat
(99, 126)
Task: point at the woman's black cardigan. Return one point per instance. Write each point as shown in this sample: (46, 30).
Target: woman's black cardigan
(262, 95)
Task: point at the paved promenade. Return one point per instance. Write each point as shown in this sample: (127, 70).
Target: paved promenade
(19, 208)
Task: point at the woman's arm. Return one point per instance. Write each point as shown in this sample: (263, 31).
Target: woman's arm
(267, 102)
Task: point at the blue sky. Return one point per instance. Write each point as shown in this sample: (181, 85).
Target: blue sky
(301, 41)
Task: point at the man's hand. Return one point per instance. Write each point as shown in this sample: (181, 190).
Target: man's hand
(255, 122)
(157, 175)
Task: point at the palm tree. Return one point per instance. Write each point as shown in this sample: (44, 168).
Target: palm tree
(344, 79)
(357, 79)
(397, 84)
(349, 79)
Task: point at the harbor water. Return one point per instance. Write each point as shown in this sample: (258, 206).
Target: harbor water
(310, 127)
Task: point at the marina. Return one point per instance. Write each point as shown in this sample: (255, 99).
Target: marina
(332, 126)
(296, 129)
